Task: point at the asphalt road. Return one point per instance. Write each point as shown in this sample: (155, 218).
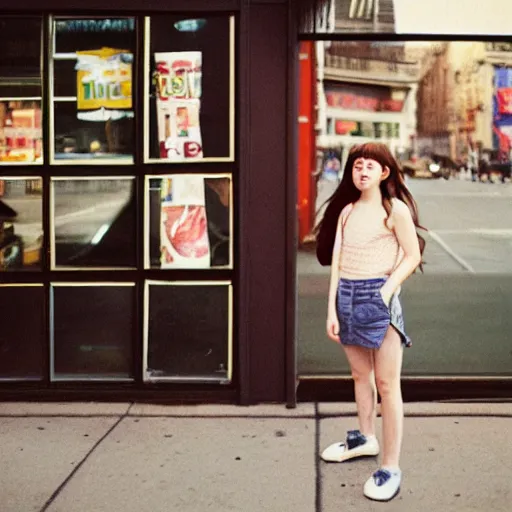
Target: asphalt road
(78, 217)
(459, 312)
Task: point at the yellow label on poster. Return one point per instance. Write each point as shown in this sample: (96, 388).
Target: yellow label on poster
(104, 79)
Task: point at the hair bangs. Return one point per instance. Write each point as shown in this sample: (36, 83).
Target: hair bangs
(373, 151)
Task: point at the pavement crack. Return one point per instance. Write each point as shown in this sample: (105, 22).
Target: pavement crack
(59, 489)
(318, 483)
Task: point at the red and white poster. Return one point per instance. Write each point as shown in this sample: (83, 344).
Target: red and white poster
(178, 80)
(505, 100)
(184, 241)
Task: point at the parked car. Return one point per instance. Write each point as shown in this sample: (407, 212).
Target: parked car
(492, 165)
(430, 167)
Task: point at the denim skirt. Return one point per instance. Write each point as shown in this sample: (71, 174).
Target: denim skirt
(363, 315)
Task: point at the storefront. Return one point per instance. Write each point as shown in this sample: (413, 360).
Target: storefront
(148, 204)
(136, 159)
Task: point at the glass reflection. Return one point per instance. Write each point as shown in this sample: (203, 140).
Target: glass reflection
(21, 224)
(188, 331)
(93, 223)
(445, 111)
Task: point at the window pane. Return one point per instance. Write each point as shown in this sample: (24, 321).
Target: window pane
(190, 103)
(93, 331)
(93, 223)
(87, 140)
(92, 89)
(448, 107)
(21, 223)
(189, 332)
(190, 219)
(20, 91)
(23, 330)
(20, 58)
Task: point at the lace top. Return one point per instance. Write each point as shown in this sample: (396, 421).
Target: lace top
(368, 248)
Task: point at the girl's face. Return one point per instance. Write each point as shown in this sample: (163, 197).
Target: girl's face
(368, 173)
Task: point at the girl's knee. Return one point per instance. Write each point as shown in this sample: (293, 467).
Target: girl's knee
(388, 386)
(362, 376)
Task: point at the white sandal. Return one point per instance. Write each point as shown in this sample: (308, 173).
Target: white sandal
(356, 445)
(383, 485)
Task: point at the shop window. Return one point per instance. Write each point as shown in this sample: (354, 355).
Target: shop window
(188, 331)
(92, 115)
(189, 89)
(22, 333)
(92, 331)
(189, 221)
(93, 223)
(21, 223)
(20, 90)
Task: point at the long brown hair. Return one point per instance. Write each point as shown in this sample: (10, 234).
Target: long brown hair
(392, 187)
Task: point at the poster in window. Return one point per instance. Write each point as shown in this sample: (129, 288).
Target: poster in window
(178, 86)
(189, 89)
(92, 114)
(190, 219)
(104, 81)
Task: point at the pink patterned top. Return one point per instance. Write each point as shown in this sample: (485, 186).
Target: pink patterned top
(368, 248)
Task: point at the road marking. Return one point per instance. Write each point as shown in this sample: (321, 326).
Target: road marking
(455, 256)
(462, 194)
(499, 232)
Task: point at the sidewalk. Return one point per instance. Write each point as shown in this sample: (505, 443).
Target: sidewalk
(95, 457)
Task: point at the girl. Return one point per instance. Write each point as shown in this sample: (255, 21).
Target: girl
(368, 235)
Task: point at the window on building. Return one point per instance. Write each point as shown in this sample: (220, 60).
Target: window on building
(189, 89)
(189, 221)
(93, 222)
(20, 90)
(21, 223)
(91, 90)
(187, 325)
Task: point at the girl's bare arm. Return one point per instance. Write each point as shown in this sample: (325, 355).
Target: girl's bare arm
(333, 287)
(405, 232)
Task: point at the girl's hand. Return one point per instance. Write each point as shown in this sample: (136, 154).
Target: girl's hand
(386, 296)
(333, 328)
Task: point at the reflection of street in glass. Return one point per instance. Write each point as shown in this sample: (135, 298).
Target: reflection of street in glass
(457, 310)
(84, 213)
(21, 231)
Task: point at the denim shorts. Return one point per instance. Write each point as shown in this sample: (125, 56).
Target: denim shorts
(363, 315)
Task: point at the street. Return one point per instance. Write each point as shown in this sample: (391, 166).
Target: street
(458, 312)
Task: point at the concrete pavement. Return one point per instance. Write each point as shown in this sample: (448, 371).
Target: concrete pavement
(95, 457)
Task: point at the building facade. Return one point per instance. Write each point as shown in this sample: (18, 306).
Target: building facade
(370, 92)
(136, 153)
(148, 182)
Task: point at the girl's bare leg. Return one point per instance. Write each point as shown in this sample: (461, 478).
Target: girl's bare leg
(388, 365)
(361, 365)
